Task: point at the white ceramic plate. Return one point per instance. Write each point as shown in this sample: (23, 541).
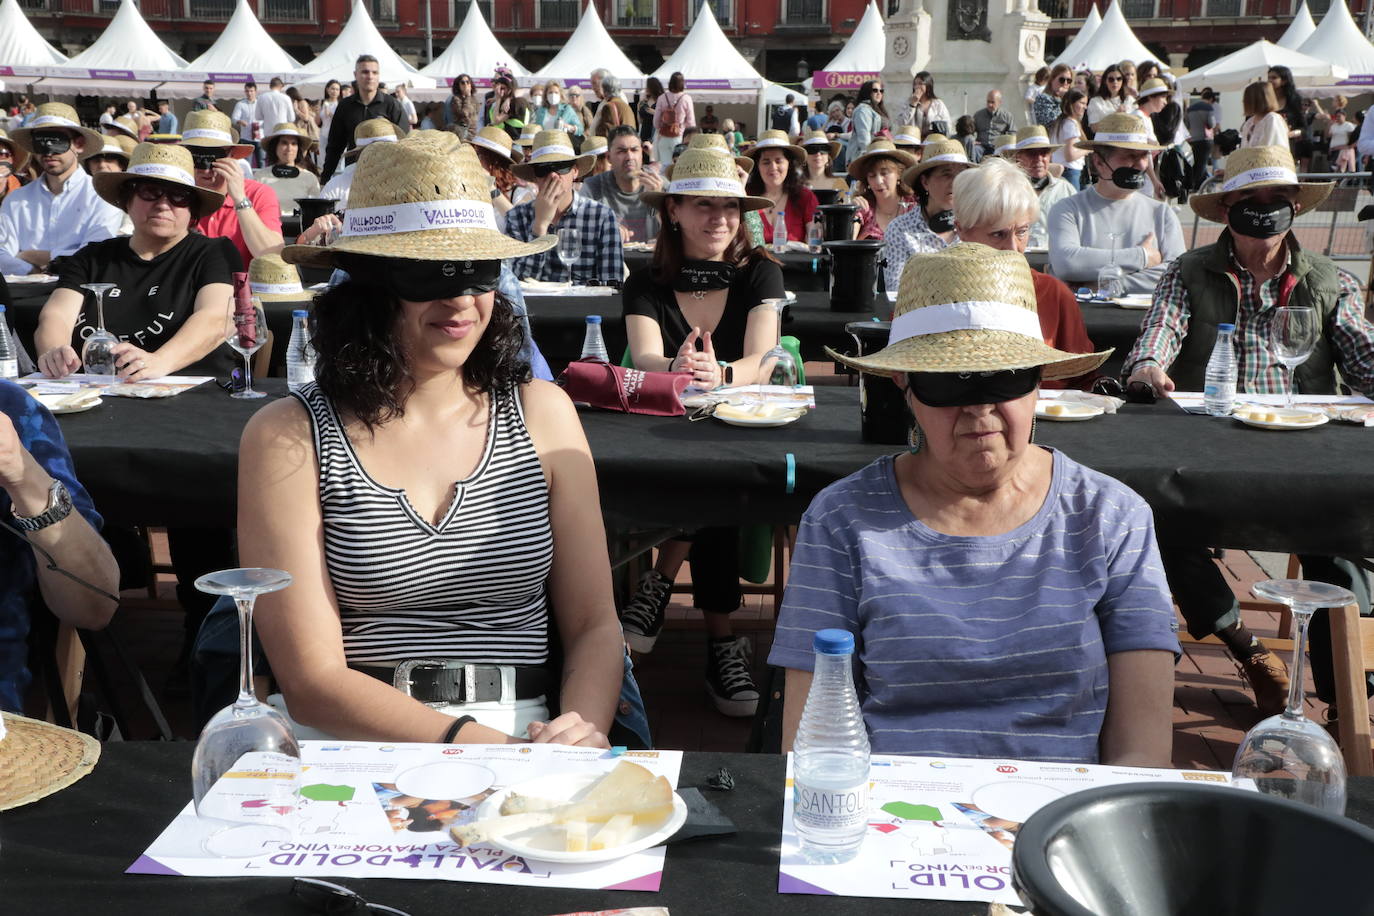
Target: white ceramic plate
(53, 402)
(1295, 419)
(1074, 412)
(570, 786)
(767, 421)
(1137, 303)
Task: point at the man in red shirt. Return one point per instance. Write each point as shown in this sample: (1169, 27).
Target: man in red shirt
(250, 216)
(995, 205)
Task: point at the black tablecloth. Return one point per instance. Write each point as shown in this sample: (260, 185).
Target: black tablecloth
(173, 462)
(69, 851)
(801, 270)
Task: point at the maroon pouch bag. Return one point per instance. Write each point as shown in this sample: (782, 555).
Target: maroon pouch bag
(610, 387)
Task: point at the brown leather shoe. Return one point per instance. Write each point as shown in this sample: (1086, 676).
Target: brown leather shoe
(1268, 679)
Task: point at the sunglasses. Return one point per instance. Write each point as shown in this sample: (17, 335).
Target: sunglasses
(51, 144)
(1065, 80)
(205, 158)
(334, 899)
(544, 169)
(1113, 79)
(426, 281)
(153, 192)
(963, 389)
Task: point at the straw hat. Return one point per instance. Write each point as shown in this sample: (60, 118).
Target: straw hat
(1260, 167)
(121, 146)
(776, 139)
(1121, 131)
(880, 149)
(20, 154)
(211, 129)
(273, 280)
(162, 138)
(714, 143)
(907, 135)
(595, 146)
(373, 130)
(55, 116)
(1004, 145)
(126, 126)
(426, 198)
(706, 173)
(1153, 86)
(38, 759)
(945, 152)
(1034, 137)
(817, 138)
(933, 138)
(552, 146)
(286, 130)
(497, 141)
(526, 139)
(157, 162)
(969, 308)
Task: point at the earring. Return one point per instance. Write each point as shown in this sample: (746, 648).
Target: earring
(915, 438)
(673, 225)
(1032, 432)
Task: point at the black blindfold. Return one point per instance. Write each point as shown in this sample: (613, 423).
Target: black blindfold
(961, 389)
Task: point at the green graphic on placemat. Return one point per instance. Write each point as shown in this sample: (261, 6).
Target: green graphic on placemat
(908, 811)
(324, 792)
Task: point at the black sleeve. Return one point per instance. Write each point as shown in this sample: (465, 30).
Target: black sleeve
(642, 296)
(79, 268)
(765, 281)
(219, 264)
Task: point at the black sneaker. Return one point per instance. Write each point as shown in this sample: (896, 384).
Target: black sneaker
(729, 680)
(642, 618)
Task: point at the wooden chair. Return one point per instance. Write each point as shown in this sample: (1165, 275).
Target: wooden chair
(1352, 655)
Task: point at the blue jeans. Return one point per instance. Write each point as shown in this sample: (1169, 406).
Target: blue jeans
(1074, 177)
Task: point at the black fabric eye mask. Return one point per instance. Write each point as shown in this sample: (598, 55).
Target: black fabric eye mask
(961, 389)
(425, 281)
(703, 276)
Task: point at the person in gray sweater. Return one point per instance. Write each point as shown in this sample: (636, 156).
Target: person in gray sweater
(1147, 233)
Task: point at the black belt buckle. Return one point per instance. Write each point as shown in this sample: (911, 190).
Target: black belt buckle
(474, 683)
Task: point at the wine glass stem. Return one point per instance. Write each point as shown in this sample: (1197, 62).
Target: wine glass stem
(100, 310)
(247, 373)
(247, 697)
(1289, 387)
(1297, 671)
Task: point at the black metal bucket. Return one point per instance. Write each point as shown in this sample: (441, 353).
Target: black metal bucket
(312, 208)
(882, 414)
(854, 275)
(826, 196)
(837, 221)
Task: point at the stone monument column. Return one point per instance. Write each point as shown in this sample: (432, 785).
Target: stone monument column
(969, 46)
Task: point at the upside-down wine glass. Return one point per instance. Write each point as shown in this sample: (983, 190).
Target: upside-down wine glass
(1111, 282)
(247, 337)
(1292, 337)
(777, 366)
(97, 353)
(247, 762)
(1289, 754)
(569, 250)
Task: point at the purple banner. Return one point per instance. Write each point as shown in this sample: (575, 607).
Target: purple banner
(229, 77)
(6, 71)
(840, 79)
(1364, 79)
(111, 74)
(721, 84)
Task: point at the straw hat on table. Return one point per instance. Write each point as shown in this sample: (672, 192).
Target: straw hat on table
(815, 138)
(210, 129)
(56, 116)
(499, 142)
(714, 143)
(706, 173)
(1119, 130)
(1034, 137)
(161, 163)
(269, 142)
(943, 152)
(776, 139)
(968, 308)
(549, 148)
(1260, 167)
(20, 154)
(907, 136)
(424, 198)
(38, 759)
(880, 149)
(273, 280)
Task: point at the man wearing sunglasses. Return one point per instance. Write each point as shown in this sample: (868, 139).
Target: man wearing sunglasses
(58, 214)
(552, 166)
(250, 216)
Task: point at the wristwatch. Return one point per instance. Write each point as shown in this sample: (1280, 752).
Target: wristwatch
(244, 204)
(59, 507)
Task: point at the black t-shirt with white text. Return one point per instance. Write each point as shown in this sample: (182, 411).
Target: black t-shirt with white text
(759, 280)
(151, 299)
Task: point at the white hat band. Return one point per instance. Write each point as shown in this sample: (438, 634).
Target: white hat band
(555, 150)
(288, 132)
(1005, 147)
(491, 145)
(947, 157)
(112, 149)
(381, 138)
(772, 141)
(273, 289)
(418, 217)
(1120, 138)
(1149, 92)
(1254, 176)
(161, 170)
(1032, 141)
(206, 133)
(724, 185)
(52, 121)
(977, 315)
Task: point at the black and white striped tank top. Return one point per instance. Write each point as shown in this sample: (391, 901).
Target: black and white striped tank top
(471, 588)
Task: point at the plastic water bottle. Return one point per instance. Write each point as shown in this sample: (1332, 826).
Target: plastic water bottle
(300, 355)
(780, 231)
(593, 344)
(814, 235)
(830, 758)
(9, 353)
(1219, 384)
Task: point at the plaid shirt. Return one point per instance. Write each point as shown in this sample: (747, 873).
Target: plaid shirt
(602, 259)
(906, 235)
(1166, 324)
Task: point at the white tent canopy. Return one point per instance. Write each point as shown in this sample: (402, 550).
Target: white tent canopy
(128, 44)
(1239, 69)
(1299, 30)
(708, 61)
(1112, 42)
(866, 49)
(1073, 50)
(588, 48)
(1339, 40)
(474, 51)
(243, 49)
(20, 43)
(358, 36)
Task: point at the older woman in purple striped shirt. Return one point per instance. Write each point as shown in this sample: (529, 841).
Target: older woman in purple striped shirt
(1006, 601)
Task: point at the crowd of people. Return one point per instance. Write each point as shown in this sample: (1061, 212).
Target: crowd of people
(424, 350)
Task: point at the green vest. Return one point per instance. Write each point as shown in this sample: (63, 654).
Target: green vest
(1213, 299)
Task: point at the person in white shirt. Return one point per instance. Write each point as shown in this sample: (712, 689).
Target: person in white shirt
(274, 106)
(407, 105)
(60, 213)
(247, 122)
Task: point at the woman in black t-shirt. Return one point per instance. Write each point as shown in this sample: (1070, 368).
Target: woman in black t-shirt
(703, 288)
(170, 303)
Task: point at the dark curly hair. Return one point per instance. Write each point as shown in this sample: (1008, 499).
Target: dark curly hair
(362, 366)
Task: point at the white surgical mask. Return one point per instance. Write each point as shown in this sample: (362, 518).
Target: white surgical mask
(536, 99)
(553, 98)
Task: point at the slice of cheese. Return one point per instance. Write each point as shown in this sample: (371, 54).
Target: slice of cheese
(575, 836)
(613, 833)
(1057, 410)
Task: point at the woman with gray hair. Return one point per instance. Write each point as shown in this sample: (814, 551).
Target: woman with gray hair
(614, 111)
